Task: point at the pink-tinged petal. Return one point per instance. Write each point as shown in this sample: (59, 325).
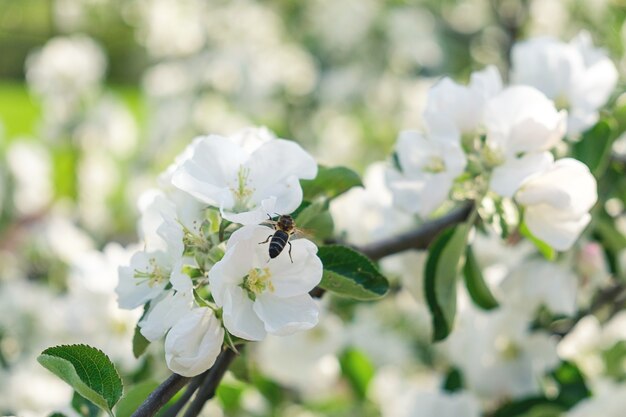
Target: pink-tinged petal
(297, 278)
(239, 317)
(285, 316)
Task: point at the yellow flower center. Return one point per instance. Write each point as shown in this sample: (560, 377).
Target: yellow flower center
(507, 348)
(561, 102)
(492, 157)
(154, 274)
(435, 165)
(257, 281)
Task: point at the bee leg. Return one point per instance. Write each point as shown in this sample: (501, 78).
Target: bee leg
(266, 240)
(290, 252)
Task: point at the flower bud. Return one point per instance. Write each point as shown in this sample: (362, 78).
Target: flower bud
(192, 345)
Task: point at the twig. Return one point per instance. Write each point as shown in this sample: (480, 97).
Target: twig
(210, 383)
(161, 395)
(419, 238)
(614, 296)
(182, 401)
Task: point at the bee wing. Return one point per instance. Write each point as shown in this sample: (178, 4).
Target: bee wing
(303, 233)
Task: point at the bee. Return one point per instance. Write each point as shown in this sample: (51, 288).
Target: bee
(284, 228)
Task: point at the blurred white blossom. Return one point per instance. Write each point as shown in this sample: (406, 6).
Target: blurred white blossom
(522, 125)
(306, 361)
(576, 75)
(428, 167)
(557, 202)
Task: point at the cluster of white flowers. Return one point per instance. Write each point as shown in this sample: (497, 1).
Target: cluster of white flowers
(197, 283)
(504, 138)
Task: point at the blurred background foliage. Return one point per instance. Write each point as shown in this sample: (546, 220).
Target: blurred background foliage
(342, 77)
(388, 40)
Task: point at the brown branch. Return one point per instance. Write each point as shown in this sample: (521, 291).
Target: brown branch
(613, 296)
(211, 382)
(182, 401)
(161, 395)
(419, 238)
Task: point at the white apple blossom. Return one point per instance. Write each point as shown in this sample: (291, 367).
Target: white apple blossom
(540, 283)
(522, 125)
(366, 214)
(66, 65)
(306, 361)
(260, 295)
(428, 168)
(575, 75)
(497, 353)
(162, 257)
(557, 202)
(164, 312)
(31, 166)
(589, 339)
(419, 395)
(454, 109)
(194, 342)
(145, 278)
(248, 175)
(607, 401)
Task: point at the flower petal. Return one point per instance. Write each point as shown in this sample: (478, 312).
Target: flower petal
(229, 271)
(164, 313)
(559, 233)
(297, 278)
(285, 316)
(211, 170)
(507, 178)
(239, 317)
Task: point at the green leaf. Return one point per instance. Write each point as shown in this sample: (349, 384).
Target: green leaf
(314, 219)
(229, 394)
(546, 250)
(572, 385)
(135, 396)
(140, 343)
(330, 183)
(594, 147)
(610, 235)
(358, 369)
(442, 268)
(86, 369)
(453, 381)
(475, 282)
(309, 211)
(349, 273)
(83, 406)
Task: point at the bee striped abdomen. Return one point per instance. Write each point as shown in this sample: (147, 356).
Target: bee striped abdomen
(278, 242)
